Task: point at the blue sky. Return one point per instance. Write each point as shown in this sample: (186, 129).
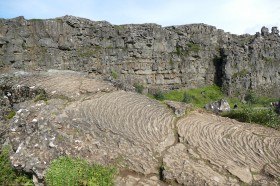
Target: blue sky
(235, 16)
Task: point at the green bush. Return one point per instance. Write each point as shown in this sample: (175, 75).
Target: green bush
(114, 74)
(76, 172)
(8, 175)
(267, 117)
(101, 176)
(187, 98)
(159, 95)
(251, 98)
(139, 88)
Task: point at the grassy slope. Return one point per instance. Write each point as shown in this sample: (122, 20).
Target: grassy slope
(257, 109)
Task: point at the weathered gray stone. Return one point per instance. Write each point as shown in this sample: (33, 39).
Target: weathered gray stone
(177, 56)
(218, 106)
(274, 30)
(85, 116)
(89, 118)
(178, 108)
(264, 31)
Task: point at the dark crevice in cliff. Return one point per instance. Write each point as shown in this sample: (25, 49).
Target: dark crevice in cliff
(218, 64)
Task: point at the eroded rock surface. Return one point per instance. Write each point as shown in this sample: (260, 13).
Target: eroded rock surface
(79, 119)
(89, 118)
(221, 146)
(179, 108)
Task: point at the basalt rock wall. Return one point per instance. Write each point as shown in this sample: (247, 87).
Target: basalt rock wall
(184, 56)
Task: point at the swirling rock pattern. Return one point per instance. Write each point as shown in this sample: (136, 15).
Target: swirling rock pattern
(65, 83)
(129, 124)
(140, 136)
(250, 153)
(121, 128)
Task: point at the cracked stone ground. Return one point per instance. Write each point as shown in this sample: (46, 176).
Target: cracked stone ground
(89, 118)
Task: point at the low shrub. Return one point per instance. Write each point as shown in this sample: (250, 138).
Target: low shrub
(77, 172)
(251, 98)
(114, 74)
(159, 95)
(187, 98)
(138, 88)
(267, 117)
(101, 176)
(8, 175)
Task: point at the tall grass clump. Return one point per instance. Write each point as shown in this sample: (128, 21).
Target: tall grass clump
(77, 172)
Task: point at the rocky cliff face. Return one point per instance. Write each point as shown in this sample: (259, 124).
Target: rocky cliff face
(167, 57)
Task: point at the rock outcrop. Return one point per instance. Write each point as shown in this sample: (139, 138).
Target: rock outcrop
(89, 118)
(218, 106)
(168, 57)
(55, 100)
(215, 147)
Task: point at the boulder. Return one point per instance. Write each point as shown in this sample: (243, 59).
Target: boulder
(264, 31)
(179, 108)
(274, 30)
(218, 106)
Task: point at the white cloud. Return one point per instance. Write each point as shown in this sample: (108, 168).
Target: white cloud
(246, 16)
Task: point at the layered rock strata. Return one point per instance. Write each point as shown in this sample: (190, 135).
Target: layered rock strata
(167, 57)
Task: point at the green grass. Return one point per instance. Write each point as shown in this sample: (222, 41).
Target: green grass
(8, 175)
(193, 47)
(10, 115)
(139, 88)
(267, 117)
(78, 172)
(201, 96)
(205, 95)
(114, 74)
(198, 97)
(178, 51)
(256, 110)
(40, 97)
